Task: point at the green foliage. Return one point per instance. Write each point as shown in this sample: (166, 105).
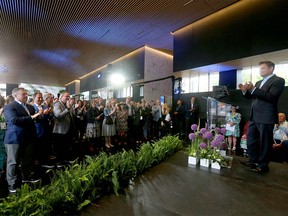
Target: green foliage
(79, 184)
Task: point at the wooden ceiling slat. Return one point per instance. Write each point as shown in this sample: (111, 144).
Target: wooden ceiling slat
(101, 32)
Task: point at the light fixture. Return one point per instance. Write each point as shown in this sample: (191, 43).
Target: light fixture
(117, 79)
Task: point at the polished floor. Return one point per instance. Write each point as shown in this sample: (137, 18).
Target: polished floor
(176, 188)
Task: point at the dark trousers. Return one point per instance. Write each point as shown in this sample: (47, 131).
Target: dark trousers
(260, 142)
(156, 128)
(43, 148)
(62, 147)
(19, 154)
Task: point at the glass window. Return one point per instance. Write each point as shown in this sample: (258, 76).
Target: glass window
(203, 82)
(3, 89)
(252, 74)
(281, 71)
(185, 85)
(126, 91)
(199, 82)
(31, 88)
(141, 91)
(213, 80)
(194, 81)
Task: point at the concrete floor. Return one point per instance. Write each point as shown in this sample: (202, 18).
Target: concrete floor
(174, 188)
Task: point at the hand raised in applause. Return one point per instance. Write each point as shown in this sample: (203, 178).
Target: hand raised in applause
(248, 86)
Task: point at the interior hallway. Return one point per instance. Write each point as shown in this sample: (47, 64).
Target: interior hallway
(174, 188)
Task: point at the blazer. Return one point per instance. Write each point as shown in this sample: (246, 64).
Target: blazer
(156, 112)
(62, 118)
(265, 100)
(20, 125)
(42, 122)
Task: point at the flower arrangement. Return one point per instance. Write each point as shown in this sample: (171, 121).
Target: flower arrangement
(206, 144)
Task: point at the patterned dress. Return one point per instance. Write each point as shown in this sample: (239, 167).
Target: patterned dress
(122, 121)
(235, 118)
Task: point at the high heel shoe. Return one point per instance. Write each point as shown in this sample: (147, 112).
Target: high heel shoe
(234, 148)
(111, 145)
(107, 145)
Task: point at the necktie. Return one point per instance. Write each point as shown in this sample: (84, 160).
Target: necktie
(25, 107)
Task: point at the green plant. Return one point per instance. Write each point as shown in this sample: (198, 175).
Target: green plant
(79, 184)
(216, 156)
(205, 144)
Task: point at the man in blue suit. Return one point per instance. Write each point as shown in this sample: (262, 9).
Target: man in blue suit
(264, 114)
(43, 130)
(19, 138)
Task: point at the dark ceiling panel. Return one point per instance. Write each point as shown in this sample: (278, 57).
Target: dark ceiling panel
(53, 42)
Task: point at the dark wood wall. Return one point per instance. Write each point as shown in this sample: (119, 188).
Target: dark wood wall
(245, 29)
(132, 67)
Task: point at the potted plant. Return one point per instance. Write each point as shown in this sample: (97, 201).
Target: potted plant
(205, 145)
(193, 148)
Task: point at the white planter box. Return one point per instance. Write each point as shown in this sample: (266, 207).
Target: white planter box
(204, 162)
(216, 165)
(193, 160)
(223, 152)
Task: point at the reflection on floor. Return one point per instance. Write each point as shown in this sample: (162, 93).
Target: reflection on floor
(174, 188)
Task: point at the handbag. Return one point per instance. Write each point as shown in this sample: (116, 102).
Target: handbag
(109, 120)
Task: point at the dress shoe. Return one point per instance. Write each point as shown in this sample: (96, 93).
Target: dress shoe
(12, 189)
(60, 165)
(32, 178)
(259, 169)
(48, 165)
(249, 164)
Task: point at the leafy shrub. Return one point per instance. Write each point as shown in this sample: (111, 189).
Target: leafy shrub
(79, 184)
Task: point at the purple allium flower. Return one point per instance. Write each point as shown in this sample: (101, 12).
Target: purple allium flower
(203, 130)
(223, 131)
(208, 135)
(194, 127)
(215, 143)
(217, 130)
(203, 145)
(220, 137)
(192, 136)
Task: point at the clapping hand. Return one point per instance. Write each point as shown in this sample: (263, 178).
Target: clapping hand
(248, 86)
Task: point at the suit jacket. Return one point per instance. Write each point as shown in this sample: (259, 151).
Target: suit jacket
(156, 112)
(20, 125)
(132, 109)
(42, 122)
(265, 100)
(62, 118)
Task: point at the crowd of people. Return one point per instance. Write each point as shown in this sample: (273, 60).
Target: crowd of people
(50, 132)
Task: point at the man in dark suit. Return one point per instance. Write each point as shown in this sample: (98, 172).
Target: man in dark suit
(20, 138)
(192, 114)
(179, 118)
(43, 130)
(264, 114)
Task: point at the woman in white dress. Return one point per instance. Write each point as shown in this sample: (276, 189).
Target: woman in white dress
(108, 130)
